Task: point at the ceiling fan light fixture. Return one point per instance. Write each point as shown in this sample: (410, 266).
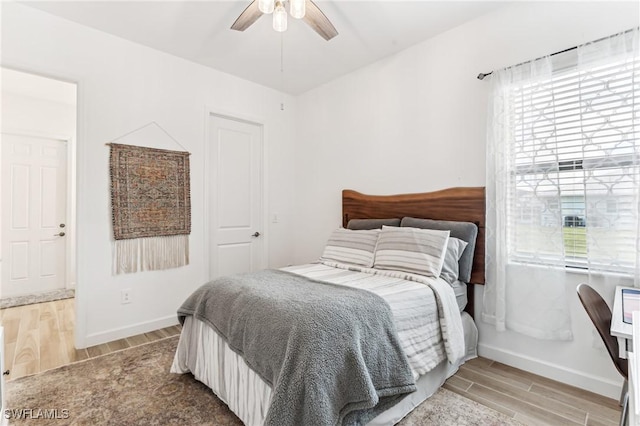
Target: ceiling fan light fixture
(280, 17)
(297, 8)
(266, 6)
(305, 9)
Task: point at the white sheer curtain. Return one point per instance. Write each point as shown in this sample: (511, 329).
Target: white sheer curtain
(612, 168)
(563, 156)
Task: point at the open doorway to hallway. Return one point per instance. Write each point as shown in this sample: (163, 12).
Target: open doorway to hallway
(38, 131)
(37, 220)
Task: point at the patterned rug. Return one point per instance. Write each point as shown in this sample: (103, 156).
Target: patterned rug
(134, 387)
(151, 208)
(150, 192)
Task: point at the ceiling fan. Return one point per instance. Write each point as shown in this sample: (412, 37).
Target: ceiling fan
(306, 10)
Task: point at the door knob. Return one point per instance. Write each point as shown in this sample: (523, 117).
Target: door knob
(62, 225)
(61, 234)
(257, 234)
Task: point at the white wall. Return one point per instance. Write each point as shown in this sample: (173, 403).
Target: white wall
(123, 86)
(415, 122)
(40, 116)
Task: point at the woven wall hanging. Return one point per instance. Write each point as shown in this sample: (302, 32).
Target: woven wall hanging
(151, 208)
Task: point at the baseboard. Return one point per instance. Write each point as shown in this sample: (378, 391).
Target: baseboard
(130, 330)
(562, 374)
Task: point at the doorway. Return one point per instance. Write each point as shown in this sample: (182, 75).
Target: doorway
(235, 190)
(37, 192)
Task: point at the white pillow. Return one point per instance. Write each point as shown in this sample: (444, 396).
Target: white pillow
(353, 247)
(418, 251)
(450, 267)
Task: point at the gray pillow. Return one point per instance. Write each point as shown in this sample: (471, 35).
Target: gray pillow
(450, 267)
(466, 231)
(357, 224)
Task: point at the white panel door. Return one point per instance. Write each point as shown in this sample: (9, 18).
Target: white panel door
(236, 199)
(34, 199)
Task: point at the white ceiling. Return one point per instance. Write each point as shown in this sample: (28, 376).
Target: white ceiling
(200, 31)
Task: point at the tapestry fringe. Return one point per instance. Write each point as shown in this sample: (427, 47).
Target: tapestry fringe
(150, 253)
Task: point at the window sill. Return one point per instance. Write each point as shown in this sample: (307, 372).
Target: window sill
(577, 271)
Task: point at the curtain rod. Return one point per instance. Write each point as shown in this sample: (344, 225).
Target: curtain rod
(482, 75)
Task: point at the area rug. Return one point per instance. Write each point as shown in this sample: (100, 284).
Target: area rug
(30, 299)
(150, 206)
(134, 387)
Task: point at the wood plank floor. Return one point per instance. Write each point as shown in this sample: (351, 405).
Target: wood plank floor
(40, 337)
(531, 399)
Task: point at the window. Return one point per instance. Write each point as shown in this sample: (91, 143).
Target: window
(575, 164)
(563, 181)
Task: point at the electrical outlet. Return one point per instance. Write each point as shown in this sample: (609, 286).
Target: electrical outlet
(125, 296)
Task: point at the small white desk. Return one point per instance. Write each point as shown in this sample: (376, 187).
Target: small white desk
(619, 328)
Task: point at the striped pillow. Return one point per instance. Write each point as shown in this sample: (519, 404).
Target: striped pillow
(354, 247)
(418, 251)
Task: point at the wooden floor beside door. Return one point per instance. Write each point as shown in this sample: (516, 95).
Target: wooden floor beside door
(40, 337)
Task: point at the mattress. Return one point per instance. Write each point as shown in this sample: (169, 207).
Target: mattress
(204, 353)
(412, 299)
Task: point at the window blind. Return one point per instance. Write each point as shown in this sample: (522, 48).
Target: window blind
(575, 165)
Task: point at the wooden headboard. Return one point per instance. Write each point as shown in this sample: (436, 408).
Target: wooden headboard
(458, 204)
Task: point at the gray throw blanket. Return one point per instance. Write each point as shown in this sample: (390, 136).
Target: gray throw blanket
(330, 353)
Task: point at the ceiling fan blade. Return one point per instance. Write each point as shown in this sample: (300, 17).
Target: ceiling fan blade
(319, 22)
(247, 17)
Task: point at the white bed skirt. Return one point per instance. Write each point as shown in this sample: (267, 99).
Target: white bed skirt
(207, 356)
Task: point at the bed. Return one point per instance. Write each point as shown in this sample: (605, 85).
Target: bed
(383, 375)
